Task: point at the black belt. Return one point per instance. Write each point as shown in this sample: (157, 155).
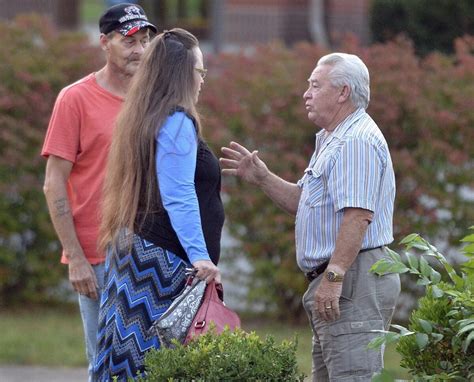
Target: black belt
(315, 272)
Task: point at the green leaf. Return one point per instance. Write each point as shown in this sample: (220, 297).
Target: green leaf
(426, 325)
(384, 266)
(435, 276)
(425, 268)
(436, 292)
(387, 338)
(469, 238)
(467, 342)
(398, 268)
(376, 343)
(466, 328)
(421, 246)
(409, 238)
(453, 293)
(466, 321)
(437, 337)
(445, 365)
(394, 255)
(423, 281)
(421, 340)
(412, 260)
(381, 267)
(468, 249)
(403, 331)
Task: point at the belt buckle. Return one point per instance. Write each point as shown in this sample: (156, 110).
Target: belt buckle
(310, 276)
(316, 271)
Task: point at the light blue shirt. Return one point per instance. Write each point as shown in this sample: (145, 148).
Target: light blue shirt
(176, 152)
(351, 167)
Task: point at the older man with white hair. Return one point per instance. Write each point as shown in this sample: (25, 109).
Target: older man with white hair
(344, 217)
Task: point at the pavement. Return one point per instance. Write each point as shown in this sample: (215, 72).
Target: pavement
(42, 374)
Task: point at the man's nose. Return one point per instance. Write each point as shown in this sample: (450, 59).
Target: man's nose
(139, 49)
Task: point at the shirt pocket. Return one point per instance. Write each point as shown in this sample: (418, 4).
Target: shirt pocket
(316, 187)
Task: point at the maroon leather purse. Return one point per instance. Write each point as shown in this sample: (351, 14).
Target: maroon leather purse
(212, 309)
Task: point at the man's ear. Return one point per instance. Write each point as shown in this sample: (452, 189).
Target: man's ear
(345, 94)
(104, 42)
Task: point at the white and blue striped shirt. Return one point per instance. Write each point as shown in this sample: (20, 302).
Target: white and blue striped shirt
(351, 167)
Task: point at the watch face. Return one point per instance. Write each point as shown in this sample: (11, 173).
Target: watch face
(331, 276)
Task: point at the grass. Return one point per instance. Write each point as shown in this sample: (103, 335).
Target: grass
(54, 337)
(49, 337)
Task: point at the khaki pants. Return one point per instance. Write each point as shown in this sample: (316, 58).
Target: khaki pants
(367, 302)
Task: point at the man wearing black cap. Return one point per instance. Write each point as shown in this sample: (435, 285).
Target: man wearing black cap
(76, 148)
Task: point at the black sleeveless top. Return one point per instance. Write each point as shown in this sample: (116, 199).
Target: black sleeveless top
(207, 179)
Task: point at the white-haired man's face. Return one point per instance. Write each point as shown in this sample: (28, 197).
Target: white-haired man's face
(322, 99)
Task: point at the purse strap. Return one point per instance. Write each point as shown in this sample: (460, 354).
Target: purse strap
(214, 291)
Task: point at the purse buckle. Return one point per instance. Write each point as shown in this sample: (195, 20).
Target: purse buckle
(200, 324)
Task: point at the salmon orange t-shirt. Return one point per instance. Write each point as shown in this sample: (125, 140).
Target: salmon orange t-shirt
(80, 131)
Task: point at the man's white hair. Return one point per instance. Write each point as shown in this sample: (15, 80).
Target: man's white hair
(348, 69)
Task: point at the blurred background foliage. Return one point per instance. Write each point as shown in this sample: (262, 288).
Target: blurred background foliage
(430, 24)
(36, 63)
(422, 104)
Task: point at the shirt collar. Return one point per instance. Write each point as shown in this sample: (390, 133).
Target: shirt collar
(344, 126)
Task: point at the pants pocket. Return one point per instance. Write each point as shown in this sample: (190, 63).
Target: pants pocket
(347, 354)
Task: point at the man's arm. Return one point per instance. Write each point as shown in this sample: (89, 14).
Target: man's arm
(348, 243)
(81, 274)
(284, 194)
(247, 165)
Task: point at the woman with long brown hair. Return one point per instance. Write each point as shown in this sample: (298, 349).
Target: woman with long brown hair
(162, 210)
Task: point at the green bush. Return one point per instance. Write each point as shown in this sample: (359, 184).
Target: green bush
(230, 356)
(423, 107)
(439, 342)
(36, 63)
(431, 24)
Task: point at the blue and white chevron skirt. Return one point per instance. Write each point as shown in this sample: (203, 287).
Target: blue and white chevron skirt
(140, 283)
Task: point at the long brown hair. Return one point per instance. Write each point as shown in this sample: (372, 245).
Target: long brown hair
(164, 80)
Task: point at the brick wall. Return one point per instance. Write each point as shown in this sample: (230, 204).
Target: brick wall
(64, 13)
(348, 16)
(265, 20)
(250, 21)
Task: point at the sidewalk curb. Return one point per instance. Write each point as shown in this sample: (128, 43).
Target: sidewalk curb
(20, 373)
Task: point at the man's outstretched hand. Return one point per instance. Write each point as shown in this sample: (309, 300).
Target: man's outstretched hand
(238, 161)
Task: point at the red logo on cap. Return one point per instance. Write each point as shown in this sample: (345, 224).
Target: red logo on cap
(133, 30)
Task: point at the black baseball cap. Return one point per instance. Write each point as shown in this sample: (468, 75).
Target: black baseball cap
(124, 18)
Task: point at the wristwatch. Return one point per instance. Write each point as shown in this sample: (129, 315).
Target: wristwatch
(334, 276)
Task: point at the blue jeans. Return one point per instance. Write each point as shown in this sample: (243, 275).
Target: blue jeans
(90, 317)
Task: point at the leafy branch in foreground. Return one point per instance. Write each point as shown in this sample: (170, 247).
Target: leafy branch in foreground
(438, 344)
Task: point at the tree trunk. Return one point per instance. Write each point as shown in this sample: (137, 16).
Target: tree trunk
(182, 9)
(317, 22)
(217, 27)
